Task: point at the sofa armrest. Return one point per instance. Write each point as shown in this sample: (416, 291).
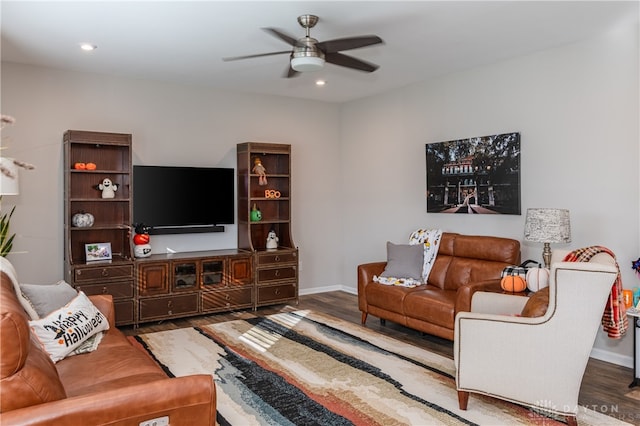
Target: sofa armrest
(104, 303)
(366, 271)
(496, 303)
(465, 293)
(182, 399)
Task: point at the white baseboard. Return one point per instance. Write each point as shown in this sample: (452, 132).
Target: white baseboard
(317, 290)
(612, 357)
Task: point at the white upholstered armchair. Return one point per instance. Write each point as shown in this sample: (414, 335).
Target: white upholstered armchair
(537, 362)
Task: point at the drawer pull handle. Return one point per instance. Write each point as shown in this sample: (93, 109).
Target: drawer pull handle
(277, 291)
(105, 272)
(104, 290)
(277, 272)
(277, 259)
(170, 304)
(227, 297)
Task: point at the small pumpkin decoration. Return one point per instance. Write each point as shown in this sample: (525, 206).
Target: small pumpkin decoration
(537, 279)
(80, 166)
(82, 220)
(256, 214)
(91, 166)
(141, 239)
(142, 250)
(513, 283)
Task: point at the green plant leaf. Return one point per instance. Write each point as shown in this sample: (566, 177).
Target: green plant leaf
(6, 241)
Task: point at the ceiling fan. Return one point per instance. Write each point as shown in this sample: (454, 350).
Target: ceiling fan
(308, 54)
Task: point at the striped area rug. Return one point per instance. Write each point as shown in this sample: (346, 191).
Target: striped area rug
(307, 368)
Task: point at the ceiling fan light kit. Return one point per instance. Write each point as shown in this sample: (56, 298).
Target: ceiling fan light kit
(307, 63)
(310, 55)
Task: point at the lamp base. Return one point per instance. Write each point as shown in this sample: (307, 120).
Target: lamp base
(546, 255)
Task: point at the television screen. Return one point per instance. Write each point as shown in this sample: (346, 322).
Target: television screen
(183, 199)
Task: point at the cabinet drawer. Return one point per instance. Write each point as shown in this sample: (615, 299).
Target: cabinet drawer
(277, 257)
(119, 289)
(226, 299)
(276, 274)
(168, 307)
(103, 273)
(276, 293)
(124, 312)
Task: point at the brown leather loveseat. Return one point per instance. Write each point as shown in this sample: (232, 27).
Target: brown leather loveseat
(464, 264)
(117, 384)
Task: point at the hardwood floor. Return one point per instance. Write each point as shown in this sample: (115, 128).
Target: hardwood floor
(603, 388)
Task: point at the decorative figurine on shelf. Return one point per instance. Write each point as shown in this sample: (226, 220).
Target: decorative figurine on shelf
(82, 220)
(108, 188)
(259, 169)
(272, 240)
(256, 214)
(141, 240)
(84, 166)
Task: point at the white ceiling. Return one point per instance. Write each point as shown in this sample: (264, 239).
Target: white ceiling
(185, 41)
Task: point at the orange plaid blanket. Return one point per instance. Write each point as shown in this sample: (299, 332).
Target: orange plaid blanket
(614, 319)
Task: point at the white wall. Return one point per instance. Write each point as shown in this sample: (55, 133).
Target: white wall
(171, 125)
(576, 108)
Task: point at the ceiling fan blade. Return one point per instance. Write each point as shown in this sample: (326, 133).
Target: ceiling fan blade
(282, 36)
(235, 58)
(348, 43)
(350, 62)
(290, 72)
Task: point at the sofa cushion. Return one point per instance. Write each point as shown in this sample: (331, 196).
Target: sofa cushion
(404, 261)
(47, 298)
(10, 277)
(432, 305)
(115, 364)
(28, 375)
(537, 304)
(67, 328)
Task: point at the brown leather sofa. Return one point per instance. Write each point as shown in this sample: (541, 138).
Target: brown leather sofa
(464, 264)
(117, 384)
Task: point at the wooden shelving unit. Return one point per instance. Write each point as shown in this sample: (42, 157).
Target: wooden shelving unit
(111, 153)
(275, 270)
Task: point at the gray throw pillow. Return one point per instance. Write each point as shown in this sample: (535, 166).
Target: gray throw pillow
(404, 261)
(46, 298)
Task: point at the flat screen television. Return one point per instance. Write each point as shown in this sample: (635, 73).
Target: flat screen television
(177, 200)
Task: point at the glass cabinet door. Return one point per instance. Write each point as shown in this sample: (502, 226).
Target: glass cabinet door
(185, 275)
(212, 272)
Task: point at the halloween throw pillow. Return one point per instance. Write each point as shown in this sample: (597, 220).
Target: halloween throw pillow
(65, 329)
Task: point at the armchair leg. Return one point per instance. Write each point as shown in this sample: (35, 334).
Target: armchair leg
(463, 400)
(571, 420)
(364, 318)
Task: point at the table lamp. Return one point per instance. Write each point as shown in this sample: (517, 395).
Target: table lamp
(547, 225)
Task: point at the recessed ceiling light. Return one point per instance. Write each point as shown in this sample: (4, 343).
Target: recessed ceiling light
(88, 47)
(320, 82)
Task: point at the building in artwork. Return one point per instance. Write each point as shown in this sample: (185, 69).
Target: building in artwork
(467, 184)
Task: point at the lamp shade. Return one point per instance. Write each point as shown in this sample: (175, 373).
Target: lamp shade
(8, 177)
(547, 225)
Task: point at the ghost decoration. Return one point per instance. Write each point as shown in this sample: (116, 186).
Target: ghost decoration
(272, 240)
(108, 188)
